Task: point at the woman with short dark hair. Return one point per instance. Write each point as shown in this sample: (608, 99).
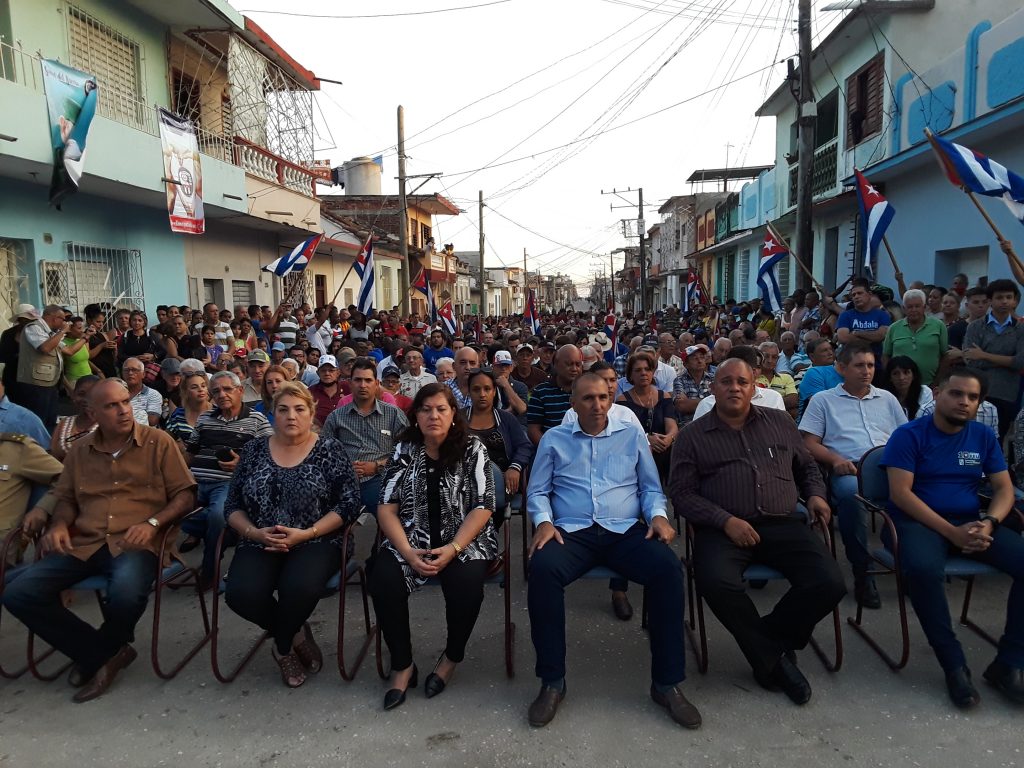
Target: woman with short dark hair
(436, 502)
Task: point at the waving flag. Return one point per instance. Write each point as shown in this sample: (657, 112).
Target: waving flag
(423, 285)
(297, 260)
(772, 252)
(875, 216)
(364, 268)
(694, 292)
(977, 173)
(446, 314)
(531, 314)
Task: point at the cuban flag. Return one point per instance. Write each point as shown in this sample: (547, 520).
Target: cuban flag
(694, 294)
(772, 252)
(297, 260)
(875, 216)
(364, 268)
(423, 286)
(446, 314)
(977, 173)
(531, 314)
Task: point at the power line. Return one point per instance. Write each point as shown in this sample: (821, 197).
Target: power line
(378, 15)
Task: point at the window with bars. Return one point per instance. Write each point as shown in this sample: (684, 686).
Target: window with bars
(94, 274)
(743, 284)
(784, 276)
(186, 97)
(12, 282)
(115, 60)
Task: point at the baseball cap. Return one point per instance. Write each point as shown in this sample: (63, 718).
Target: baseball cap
(327, 360)
(259, 356)
(170, 365)
(278, 346)
(502, 357)
(521, 347)
(694, 348)
(546, 345)
(345, 354)
(390, 370)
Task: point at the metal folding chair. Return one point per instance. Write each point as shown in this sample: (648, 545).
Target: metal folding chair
(8, 573)
(696, 630)
(350, 573)
(873, 492)
(499, 572)
(174, 576)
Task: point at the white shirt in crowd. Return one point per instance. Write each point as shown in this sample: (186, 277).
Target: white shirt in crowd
(766, 398)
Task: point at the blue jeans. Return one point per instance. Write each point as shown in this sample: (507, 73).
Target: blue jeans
(369, 494)
(208, 524)
(34, 598)
(923, 554)
(644, 561)
(853, 522)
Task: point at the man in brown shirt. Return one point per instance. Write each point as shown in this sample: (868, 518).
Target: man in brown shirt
(737, 474)
(121, 487)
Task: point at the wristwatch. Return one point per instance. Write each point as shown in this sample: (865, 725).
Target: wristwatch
(154, 522)
(991, 519)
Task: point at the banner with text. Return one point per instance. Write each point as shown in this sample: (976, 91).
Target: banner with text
(71, 98)
(183, 174)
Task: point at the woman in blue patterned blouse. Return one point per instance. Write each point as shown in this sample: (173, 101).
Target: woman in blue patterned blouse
(436, 502)
(290, 497)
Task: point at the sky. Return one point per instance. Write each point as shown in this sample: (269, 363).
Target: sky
(498, 86)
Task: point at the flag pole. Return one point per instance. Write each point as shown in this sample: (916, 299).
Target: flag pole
(783, 243)
(1003, 242)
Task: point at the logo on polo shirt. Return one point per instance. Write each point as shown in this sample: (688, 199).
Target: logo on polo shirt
(969, 458)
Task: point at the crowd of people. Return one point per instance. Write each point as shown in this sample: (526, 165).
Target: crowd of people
(285, 425)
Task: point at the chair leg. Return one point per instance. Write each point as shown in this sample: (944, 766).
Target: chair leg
(525, 544)
(966, 621)
(858, 625)
(188, 577)
(833, 664)
(348, 674)
(34, 661)
(230, 675)
(510, 627)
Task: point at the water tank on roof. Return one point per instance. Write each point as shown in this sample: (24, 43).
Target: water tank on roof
(362, 176)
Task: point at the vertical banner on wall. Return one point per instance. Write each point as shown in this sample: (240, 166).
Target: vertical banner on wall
(71, 102)
(183, 174)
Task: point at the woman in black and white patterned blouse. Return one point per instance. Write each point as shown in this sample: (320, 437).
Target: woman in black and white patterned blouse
(436, 501)
(290, 497)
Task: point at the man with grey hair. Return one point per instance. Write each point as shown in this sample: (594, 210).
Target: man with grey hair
(719, 352)
(923, 339)
(590, 356)
(212, 452)
(40, 364)
(147, 405)
(791, 360)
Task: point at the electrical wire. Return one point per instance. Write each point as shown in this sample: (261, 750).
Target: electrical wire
(378, 15)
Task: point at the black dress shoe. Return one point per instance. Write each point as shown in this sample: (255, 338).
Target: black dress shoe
(866, 593)
(681, 710)
(620, 604)
(395, 697)
(1008, 680)
(542, 710)
(434, 684)
(787, 677)
(961, 689)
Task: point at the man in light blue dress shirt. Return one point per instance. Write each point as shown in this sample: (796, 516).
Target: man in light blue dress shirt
(595, 499)
(15, 418)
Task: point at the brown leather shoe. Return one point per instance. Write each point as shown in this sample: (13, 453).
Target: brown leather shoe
(681, 710)
(309, 652)
(104, 677)
(544, 707)
(620, 605)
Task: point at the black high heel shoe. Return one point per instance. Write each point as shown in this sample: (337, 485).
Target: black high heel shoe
(395, 697)
(434, 684)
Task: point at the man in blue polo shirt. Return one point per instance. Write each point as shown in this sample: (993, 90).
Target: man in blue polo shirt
(935, 465)
(862, 321)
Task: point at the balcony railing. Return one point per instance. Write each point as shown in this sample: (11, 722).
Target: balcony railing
(824, 173)
(24, 68)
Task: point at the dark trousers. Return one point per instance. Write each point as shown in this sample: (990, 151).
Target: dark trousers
(462, 584)
(34, 597)
(923, 554)
(789, 546)
(1007, 411)
(369, 494)
(42, 401)
(641, 560)
(298, 577)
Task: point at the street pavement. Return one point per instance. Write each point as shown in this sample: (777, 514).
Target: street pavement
(864, 715)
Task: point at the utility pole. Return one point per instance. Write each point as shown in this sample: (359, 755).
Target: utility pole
(403, 218)
(807, 114)
(526, 283)
(483, 287)
(611, 278)
(643, 252)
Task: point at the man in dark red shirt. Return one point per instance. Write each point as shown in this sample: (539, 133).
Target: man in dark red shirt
(328, 391)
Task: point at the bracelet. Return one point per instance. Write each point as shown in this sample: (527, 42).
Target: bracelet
(315, 534)
(246, 534)
(455, 545)
(987, 518)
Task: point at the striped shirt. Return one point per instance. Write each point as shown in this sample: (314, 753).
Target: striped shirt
(762, 469)
(366, 438)
(547, 406)
(214, 433)
(287, 330)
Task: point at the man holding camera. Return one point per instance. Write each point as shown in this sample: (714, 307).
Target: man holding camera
(40, 364)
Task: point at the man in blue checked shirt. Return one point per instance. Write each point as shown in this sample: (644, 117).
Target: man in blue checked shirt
(595, 499)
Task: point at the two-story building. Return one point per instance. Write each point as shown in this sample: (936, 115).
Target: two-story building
(251, 106)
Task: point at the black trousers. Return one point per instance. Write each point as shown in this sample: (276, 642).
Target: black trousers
(638, 559)
(788, 545)
(42, 401)
(298, 577)
(462, 584)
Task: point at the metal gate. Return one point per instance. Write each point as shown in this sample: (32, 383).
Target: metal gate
(94, 274)
(13, 284)
(301, 293)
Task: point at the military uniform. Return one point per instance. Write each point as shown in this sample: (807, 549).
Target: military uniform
(27, 471)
